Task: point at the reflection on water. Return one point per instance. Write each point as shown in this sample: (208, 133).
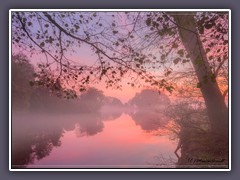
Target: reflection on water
(90, 140)
(149, 120)
(113, 140)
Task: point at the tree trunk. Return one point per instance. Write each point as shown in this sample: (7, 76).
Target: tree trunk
(216, 107)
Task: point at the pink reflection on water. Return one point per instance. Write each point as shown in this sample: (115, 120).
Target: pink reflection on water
(122, 143)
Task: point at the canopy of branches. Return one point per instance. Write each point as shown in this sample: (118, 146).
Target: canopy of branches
(144, 43)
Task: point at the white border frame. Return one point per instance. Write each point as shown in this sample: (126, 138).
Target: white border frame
(114, 10)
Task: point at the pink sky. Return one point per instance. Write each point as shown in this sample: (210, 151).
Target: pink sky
(87, 57)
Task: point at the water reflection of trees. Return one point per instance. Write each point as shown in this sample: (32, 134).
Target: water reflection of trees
(38, 120)
(89, 125)
(149, 120)
(33, 143)
(35, 135)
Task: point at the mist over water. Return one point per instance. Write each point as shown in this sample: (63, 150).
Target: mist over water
(108, 138)
(97, 131)
(132, 89)
(63, 129)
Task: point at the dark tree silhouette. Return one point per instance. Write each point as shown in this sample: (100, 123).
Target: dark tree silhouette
(139, 42)
(22, 73)
(217, 109)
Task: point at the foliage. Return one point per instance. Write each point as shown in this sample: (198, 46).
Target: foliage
(112, 102)
(92, 99)
(28, 94)
(149, 98)
(166, 50)
(22, 72)
(119, 47)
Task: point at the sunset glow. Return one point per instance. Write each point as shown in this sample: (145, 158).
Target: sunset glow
(124, 90)
(121, 137)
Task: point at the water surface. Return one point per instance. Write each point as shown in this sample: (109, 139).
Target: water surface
(93, 140)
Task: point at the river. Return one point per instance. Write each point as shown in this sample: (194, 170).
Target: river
(92, 140)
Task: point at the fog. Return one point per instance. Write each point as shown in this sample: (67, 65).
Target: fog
(158, 130)
(35, 134)
(62, 128)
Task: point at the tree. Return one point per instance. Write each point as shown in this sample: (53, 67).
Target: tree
(22, 73)
(125, 42)
(112, 102)
(148, 98)
(210, 90)
(91, 100)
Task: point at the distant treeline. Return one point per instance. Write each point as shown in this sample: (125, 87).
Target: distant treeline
(29, 95)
